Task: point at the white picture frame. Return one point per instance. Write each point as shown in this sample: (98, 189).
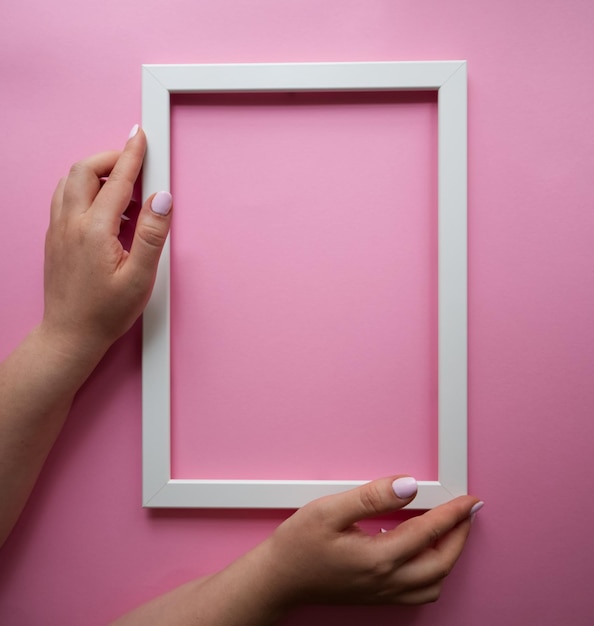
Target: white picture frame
(449, 79)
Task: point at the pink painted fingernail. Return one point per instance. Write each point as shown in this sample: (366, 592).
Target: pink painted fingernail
(475, 509)
(405, 487)
(161, 203)
(133, 131)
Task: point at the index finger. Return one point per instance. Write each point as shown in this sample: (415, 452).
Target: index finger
(115, 195)
(419, 533)
(84, 181)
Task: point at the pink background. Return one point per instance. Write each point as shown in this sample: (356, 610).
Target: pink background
(85, 551)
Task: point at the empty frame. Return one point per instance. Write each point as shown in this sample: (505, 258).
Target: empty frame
(449, 79)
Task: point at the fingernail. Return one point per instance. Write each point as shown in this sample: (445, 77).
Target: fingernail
(475, 509)
(405, 487)
(161, 203)
(133, 131)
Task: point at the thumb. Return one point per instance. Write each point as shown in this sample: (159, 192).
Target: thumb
(150, 235)
(373, 498)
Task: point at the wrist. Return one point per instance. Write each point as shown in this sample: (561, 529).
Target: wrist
(273, 578)
(69, 352)
(248, 592)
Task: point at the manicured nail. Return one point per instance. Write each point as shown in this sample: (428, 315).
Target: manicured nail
(475, 509)
(133, 131)
(162, 202)
(405, 487)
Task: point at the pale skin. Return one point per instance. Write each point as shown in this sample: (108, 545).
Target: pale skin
(94, 292)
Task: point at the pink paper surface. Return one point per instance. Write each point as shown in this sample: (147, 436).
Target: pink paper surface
(84, 551)
(304, 285)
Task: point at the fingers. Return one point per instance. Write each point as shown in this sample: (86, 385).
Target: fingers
(57, 201)
(83, 182)
(448, 549)
(83, 190)
(374, 498)
(151, 232)
(439, 537)
(98, 190)
(422, 595)
(115, 195)
(435, 563)
(414, 536)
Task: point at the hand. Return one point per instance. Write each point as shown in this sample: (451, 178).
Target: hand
(94, 288)
(320, 555)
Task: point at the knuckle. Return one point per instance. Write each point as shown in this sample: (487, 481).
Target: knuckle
(434, 594)
(78, 168)
(121, 178)
(152, 234)
(381, 568)
(444, 570)
(121, 184)
(318, 512)
(434, 535)
(371, 498)
(316, 508)
(432, 598)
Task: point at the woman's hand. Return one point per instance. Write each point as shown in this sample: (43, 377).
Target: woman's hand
(94, 288)
(320, 555)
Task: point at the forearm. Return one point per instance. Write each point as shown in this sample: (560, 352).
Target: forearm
(38, 382)
(247, 593)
